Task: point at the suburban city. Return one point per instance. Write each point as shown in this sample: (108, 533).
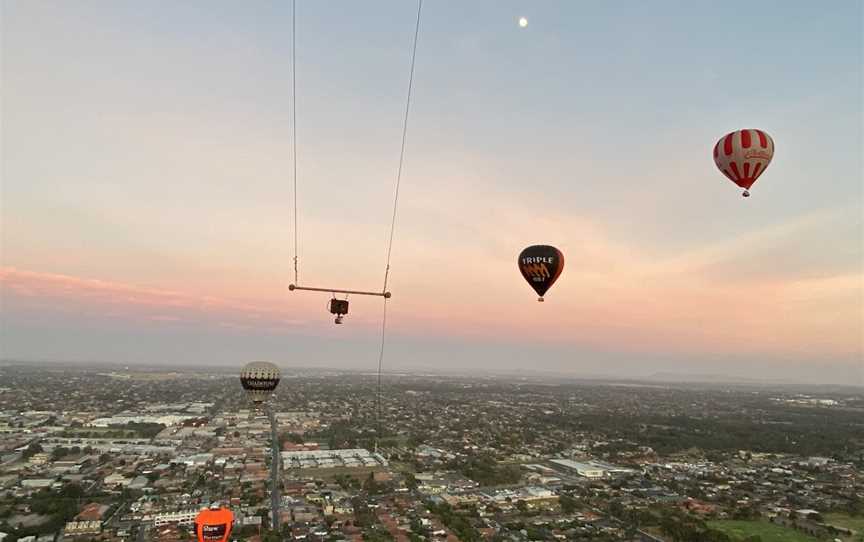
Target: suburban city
(116, 453)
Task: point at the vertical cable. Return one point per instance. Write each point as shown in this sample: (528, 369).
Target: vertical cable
(294, 125)
(402, 149)
(380, 367)
(393, 225)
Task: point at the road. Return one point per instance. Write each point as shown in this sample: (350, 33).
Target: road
(644, 536)
(275, 467)
(143, 531)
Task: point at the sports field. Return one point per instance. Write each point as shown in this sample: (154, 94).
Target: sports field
(768, 532)
(845, 520)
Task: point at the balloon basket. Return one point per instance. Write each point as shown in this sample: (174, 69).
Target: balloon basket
(540, 300)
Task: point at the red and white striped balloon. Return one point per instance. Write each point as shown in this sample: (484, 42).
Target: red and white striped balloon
(743, 156)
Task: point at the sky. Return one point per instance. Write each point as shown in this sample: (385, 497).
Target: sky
(146, 185)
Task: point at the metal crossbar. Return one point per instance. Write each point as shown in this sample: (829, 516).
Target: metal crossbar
(292, 287)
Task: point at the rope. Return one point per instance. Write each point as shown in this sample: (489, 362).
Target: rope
(402, 149)
(294, 124)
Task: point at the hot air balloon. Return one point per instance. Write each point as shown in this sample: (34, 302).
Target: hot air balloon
(541, 265)
(259, 379)
(214, 524)
(743, 156)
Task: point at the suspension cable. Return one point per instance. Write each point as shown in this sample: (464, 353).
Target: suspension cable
(393, 226)
(380, 368)
(294, 125)
(395, 196)
(402, 149)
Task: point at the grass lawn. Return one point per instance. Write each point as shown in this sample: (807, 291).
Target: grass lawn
(844, 520)
(739, 530)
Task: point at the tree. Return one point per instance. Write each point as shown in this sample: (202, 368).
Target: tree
(58, 453)
(616, 509)
(855, 506)
(371, 486)
(32, 450)
(568, 504)
(745, 513)
(410, 481)
(484, 470)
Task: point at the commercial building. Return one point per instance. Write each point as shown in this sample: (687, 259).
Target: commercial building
(82, 528)
(37, 483)
(167, 420)
(590, 469)
(181, 517)
(39, 459)
(586, 470)
(328, 459)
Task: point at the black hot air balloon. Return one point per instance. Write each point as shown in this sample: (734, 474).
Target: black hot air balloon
(259, 379)
(541, 265)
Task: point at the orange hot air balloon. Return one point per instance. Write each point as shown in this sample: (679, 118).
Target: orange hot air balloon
(214, 524)
(743, 156)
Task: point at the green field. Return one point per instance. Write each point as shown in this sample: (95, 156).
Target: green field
(656, 531)
(739, 530)
(844, 520)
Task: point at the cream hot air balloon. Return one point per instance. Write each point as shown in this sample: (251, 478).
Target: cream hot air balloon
(743, 156)
(259, 379)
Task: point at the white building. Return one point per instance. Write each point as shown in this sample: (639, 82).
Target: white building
(249, 520)
(586, 470)
(39, 459)
(535, 493)
(82, 528)
(167, 420)
(181, 517)
(37, 483)
(116, 479)
(325, 459)
(196, 460)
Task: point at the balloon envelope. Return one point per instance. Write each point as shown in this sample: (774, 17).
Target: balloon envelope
(541, 265)
(743, 156)
(214, 525)
(259, 379)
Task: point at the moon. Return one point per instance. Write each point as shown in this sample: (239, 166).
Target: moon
(523, 22)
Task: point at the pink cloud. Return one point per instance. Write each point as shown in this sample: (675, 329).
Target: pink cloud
(463, 283)
(55, 292)
(624, 297)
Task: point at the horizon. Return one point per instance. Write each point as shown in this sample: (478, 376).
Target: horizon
(147, 212)
(505, 375)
